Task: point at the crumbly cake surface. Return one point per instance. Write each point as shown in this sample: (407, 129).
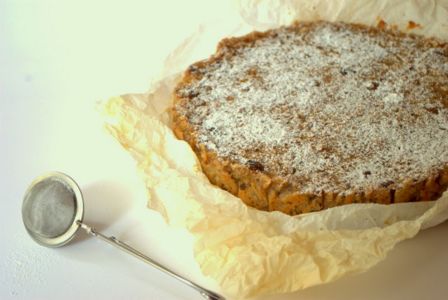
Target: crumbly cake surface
(321, 108)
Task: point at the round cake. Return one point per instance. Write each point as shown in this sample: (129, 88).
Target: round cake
(319, 114)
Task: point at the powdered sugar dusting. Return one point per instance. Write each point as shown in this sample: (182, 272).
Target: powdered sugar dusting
(392, 99)
(255, 129)
(332, 108)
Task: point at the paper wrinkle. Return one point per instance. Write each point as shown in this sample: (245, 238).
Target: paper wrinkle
(432, 15)
(250, 252)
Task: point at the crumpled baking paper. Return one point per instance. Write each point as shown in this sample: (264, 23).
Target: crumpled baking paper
(250, 252)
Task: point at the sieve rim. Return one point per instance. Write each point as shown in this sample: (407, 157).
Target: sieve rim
(68, 235)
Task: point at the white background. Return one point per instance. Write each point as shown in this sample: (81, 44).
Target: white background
(57, 59)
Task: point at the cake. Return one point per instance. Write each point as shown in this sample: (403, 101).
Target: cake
(319, 114)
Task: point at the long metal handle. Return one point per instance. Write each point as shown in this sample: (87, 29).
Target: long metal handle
(126, 248)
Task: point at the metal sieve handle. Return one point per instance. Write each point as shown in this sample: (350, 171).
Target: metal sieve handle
(126, 248)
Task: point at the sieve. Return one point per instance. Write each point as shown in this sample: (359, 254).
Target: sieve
(53, 211)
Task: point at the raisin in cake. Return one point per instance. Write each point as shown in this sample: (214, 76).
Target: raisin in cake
(315, 115)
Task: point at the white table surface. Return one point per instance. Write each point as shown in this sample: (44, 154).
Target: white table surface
(57, 59)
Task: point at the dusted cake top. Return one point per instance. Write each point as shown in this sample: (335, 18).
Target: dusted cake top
(326, 106)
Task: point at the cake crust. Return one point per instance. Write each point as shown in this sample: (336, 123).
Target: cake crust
(316, 115)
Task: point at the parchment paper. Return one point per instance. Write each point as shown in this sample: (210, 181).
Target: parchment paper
(250, 252)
